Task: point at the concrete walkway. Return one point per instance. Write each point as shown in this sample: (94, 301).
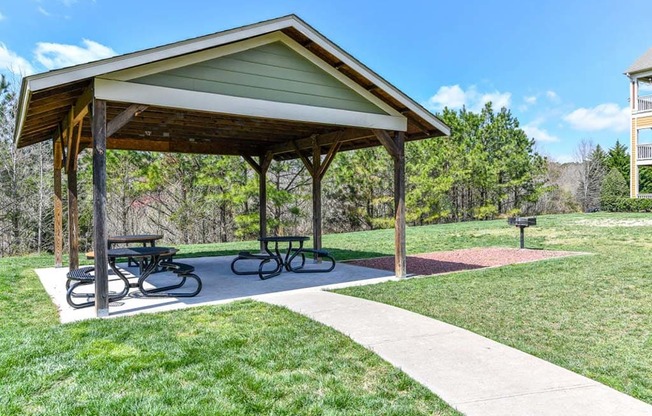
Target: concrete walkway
(473, 374)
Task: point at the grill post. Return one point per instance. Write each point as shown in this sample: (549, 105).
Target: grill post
(522, 223)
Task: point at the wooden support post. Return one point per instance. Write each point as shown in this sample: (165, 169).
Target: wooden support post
(58, 205)
(73, 217)
(261, 168)
(399, 207)
(396, 149)
(99, 209)
(264, 162)
(317, 170)
(73, 211)
(316, 197)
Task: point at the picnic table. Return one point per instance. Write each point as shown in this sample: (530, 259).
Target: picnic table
(291, 253)
(144, 239)
(282, 256)
(154, 257)
(127, 239)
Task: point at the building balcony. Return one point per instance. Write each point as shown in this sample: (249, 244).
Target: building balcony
(644, 152)
(644, 103)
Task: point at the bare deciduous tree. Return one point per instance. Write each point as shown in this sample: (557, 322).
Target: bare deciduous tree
(592, 170)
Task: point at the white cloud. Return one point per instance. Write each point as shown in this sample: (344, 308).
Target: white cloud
(499, 99)
(532, 99)
(552, 96)
(607, 116)
(14, 63)
(455, 97)
(539, 134)
(43, 11)
(57, 55)
(2, 16)
(448, 96)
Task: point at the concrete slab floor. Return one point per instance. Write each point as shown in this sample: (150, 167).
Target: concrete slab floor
(220, 285)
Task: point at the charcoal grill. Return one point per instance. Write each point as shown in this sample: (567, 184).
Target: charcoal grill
(522, 223)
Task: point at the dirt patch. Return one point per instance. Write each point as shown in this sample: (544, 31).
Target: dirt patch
(466, 259)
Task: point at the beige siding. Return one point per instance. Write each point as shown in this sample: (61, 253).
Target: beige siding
(644, 122)
(272, 72)
(633, 171)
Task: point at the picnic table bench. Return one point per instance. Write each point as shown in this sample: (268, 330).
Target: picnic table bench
(156, 258)
(282, 260)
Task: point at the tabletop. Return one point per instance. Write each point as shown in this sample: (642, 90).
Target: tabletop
(135, 252)
(285, 238)
(135, 238)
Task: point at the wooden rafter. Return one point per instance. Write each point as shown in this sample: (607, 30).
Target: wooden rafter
(74, 146)
(123, 118)
(386, 140)
(308, 164)
(254, 165)
(332, 151)
(323, 140)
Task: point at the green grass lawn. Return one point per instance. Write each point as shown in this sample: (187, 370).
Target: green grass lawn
(591, 314)
(244, 358)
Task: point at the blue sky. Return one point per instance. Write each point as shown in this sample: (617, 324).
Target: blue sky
(558, 65)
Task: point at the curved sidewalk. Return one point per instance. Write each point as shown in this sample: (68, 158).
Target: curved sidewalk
(473, 374)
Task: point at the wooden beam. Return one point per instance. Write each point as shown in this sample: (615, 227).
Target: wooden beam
(173, 145)
(77, 143)
(58, 206)
(264, 162)
(322, 139)
(99, 209)
(123, 118)
(73, 217)
(66, 128)
(70, 136)
(79, 110)
(332, 151)
(73, 210)
(254, 165)
(400, 257)
(386, 140)
(307, 163)
(73, 146)
(316, 197)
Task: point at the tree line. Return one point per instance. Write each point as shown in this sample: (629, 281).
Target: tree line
(486, 168)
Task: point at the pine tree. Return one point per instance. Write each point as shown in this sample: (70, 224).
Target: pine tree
(614, 186)
(618, 157)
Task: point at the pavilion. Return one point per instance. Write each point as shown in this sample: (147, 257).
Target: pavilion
(274, 90)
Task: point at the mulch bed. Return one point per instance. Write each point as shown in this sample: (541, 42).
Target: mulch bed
(466, 259)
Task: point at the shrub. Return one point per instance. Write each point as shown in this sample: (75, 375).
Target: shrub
(614, 186)
(627, 205)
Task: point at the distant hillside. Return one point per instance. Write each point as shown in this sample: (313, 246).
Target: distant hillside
(568, 176)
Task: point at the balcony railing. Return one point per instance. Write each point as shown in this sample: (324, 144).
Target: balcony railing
(645, 103)
(644, 152)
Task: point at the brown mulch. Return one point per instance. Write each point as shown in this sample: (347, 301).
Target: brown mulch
(466, 259)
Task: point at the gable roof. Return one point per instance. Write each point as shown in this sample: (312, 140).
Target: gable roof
(643, 63)
(47, 97)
